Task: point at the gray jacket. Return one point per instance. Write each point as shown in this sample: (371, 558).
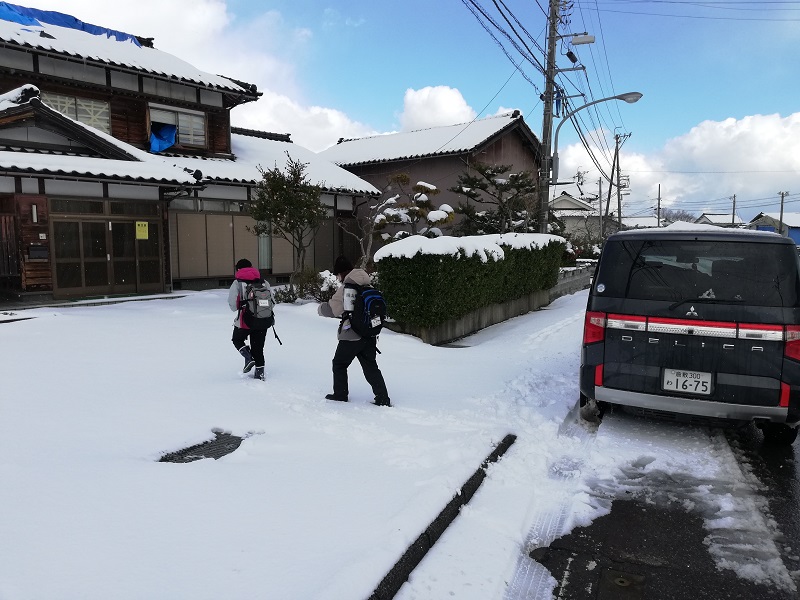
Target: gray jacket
(335, 306)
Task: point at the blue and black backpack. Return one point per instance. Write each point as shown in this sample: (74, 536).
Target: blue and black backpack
(369, 311)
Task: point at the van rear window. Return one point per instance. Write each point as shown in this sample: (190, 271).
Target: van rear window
(757, 274)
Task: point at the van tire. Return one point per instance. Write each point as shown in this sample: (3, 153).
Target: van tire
(779, 434)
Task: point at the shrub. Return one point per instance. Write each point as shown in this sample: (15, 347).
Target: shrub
(309, 285)
(428, 289)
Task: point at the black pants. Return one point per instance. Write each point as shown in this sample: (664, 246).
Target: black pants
(365, 350)
(257, 339)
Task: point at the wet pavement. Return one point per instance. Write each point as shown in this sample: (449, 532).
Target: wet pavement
(655, 546)
(643, 551)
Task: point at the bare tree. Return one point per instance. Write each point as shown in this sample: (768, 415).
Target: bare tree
(406, 207)
(676, 214)
(369, 213)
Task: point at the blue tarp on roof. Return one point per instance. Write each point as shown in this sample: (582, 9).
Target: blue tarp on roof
(34, 16)
(8, 13)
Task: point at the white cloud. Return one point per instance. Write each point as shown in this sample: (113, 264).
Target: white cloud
(754, 157)
(211, 38)
(313, 127)
(433, 106)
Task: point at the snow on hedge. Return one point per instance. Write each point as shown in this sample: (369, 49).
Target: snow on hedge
(484, 246)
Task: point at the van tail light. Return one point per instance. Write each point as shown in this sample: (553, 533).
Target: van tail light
(594, 328)
(791, 348)
(598, 375)
(784, 403)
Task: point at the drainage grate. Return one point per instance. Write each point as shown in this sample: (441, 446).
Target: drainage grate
(225, 443)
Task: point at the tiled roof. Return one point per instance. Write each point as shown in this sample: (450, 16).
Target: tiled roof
(435, 141)
(253, 150)
(790, 219)
(719, 219)
(123, 52)
(155, 171)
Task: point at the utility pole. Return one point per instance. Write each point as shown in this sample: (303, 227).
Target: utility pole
(547, 117)
(619, 187)
(611, 182)
(600, 206)
(658, 210)
(780, 222)
(620, 139)
(733, 214)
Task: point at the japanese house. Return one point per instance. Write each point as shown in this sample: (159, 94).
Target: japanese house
(120, 172)
(439, 155)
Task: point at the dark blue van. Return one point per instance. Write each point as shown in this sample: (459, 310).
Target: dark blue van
(696, 323)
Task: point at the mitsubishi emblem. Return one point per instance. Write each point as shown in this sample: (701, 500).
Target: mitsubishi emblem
(691, 312)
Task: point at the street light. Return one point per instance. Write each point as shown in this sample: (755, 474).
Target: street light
(629, 97)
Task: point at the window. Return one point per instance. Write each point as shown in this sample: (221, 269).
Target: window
(94, 113)
(189, 127)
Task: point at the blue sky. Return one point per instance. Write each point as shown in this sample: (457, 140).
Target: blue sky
(720, 113)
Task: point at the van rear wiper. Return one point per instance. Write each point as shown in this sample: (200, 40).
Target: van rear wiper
(675, 305)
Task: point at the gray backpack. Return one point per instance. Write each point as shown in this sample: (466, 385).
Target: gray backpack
(258, 304)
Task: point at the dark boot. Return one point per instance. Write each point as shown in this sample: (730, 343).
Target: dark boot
(249, 363)
(382, 401)
(335, 397)
(259, 374)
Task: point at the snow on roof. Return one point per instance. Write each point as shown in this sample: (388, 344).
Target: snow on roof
(567, 202)
(156, 169)
(790, 219)
(106, 48)
(484, 246)
(18, 96)
(252, 152)
(143, 167)
(584, 214)
(692, 227)
(720, 218)
(449, 139)
(650, 221)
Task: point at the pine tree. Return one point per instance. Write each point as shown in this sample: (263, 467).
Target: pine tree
(511, 196)
(410, 209)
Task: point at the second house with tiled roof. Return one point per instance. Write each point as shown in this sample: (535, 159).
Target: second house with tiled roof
(438, 156)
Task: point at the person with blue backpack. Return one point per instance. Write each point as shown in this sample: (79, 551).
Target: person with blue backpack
(247, 294)
(363, 346)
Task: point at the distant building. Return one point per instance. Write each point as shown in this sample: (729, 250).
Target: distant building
(644, 222)
(720, 220)
(771, 222)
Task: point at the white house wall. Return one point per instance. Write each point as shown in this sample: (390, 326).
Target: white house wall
(219, 192)
(132, 192)
(30, 186)
(83, 189)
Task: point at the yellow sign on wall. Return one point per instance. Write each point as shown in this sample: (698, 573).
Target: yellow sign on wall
(142, 232)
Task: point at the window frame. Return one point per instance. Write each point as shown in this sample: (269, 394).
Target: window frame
(74, 107)
(184, 119)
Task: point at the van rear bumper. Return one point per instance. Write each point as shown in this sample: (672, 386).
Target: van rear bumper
(691, 406)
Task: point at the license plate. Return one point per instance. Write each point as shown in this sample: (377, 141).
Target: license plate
(691, 382)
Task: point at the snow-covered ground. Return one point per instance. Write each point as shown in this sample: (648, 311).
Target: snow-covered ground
(321, 498)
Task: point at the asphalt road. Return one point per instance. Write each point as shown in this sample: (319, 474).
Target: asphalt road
(651, 548)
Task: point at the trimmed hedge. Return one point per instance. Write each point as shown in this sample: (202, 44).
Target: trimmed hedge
(428, 289)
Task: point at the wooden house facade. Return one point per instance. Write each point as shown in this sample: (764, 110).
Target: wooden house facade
(114, 167)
